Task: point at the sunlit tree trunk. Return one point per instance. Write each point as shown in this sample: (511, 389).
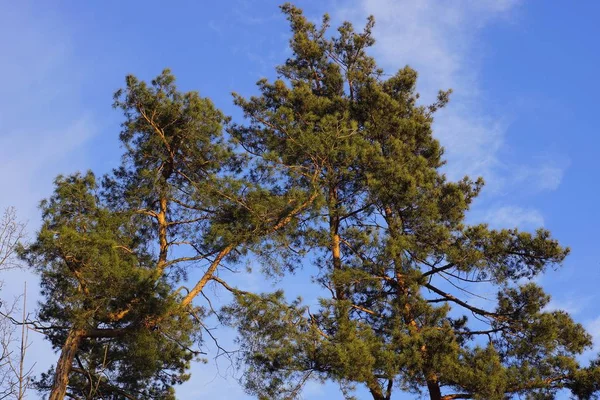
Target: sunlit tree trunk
(65, 363)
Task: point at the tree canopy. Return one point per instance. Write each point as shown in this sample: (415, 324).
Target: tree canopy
(334, 169)
(112, 254)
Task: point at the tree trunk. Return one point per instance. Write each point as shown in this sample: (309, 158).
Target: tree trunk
(163, 244)
(434, 389)
(375, 390)
(65, 363)
(377, 395)
(334, 227)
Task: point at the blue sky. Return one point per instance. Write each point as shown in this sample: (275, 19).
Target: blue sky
(523, 113)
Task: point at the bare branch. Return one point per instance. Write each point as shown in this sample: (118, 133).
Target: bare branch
(12, 233)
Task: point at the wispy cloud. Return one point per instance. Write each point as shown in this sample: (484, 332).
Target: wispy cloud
(511, 216)
(438, 39)
(546, 176)
(593, 328)
(573, 304)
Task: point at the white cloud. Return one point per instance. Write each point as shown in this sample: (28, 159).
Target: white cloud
(572, 305)
(593, 328)
(546, 176)
(438, 39)
(513, 216)
(472, 143)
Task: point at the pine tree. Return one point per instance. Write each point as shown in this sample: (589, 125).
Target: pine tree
(112, 256)
(93, 265)
(389, 242)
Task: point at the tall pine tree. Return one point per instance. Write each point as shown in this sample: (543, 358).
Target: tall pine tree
(112, 256)
(390, 246)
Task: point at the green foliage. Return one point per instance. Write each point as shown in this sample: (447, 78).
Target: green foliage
(388, 239)
(112, 255)
(92, 266)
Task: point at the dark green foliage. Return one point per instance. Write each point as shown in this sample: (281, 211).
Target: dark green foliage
(175, 153)
(93, 264)
(391, 249)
